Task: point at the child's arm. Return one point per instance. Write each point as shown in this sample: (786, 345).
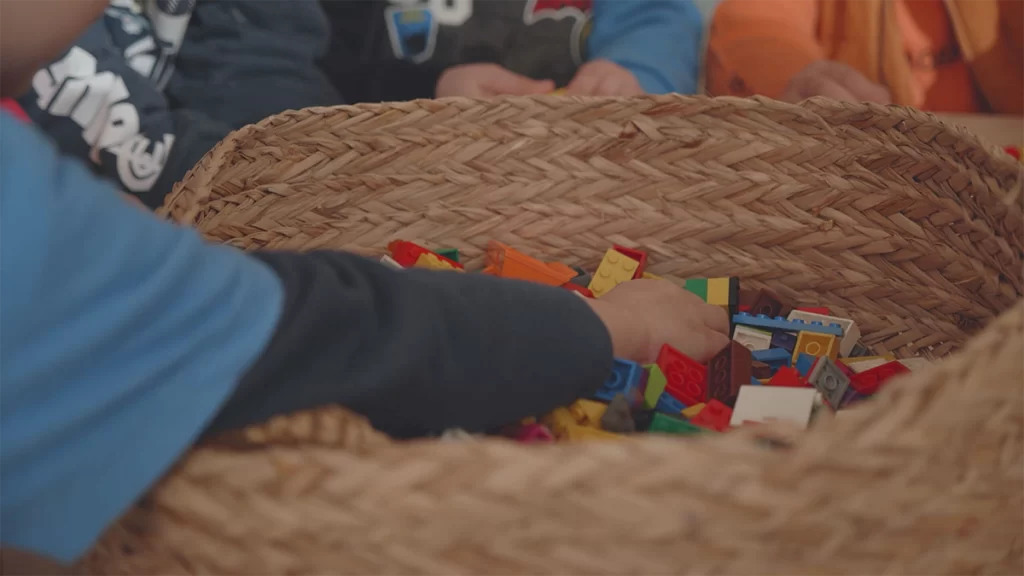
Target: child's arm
(657, 40)
(124, 337)
(757, 46)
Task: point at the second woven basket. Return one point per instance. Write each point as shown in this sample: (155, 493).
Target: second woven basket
(912, 228)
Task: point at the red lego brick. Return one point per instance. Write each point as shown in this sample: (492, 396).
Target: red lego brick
(769, 304)
(870, 381)
(846, 370)
(714, 416)
(823, 310)
(788, 376)
(638, 255)
(577, 288)
(727, 371)
(1013, 151)
(406, 253)
(687, 378)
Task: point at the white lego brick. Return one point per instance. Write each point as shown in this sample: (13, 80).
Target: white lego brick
(390, 262)
(851, 334)
(865, 365)
(774, 403)
(913, 364)
(752, 338)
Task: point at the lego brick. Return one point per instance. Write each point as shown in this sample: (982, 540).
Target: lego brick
(583, 280)
(752, 338)
(817, 345)
(769, 304)
(784, 340)
(698, 286)
(850, 398)
(625, 380)
(693, 410)
(617, 417)
(865, 363)
(534, 433)
(766, 404)
(859, 350)
(870, 381)
(718, 292)
(727, 371)
(406, 253)
(506, 262)
(664, 424)
(788, 377)
(851, 333)
(434, 262)
(760, 369)
(787, 325)
(649, 276)
(714, 416)
(642, 419)
(775, 358)
(587, 412)
(815, 310)
(754, 381)
(804, 363)
(669, 404)
(656, 382)
(449, 253)
(686, 378)
(828, 379)
(615, 269)
(639, 255)
(390, 262)
(746, 297)
(558, 421)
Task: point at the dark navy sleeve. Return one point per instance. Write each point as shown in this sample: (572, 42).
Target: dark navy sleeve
(659, 41)
(419, 351)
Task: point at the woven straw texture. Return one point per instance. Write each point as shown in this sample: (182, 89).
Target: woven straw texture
(911, 227)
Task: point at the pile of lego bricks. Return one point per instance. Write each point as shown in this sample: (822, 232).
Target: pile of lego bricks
(782, 364)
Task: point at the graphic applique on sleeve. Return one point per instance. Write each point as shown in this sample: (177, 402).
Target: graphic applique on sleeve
(99, 103)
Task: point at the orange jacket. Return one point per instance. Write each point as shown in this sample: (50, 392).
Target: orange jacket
(944, 55)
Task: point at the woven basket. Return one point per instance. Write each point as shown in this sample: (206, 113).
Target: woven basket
(910, 227)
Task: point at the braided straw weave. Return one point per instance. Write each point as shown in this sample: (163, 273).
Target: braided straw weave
(911, 227)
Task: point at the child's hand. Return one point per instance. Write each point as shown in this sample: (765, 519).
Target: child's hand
(486, 81)
(603, 78)
(834, 80)
(641, 315)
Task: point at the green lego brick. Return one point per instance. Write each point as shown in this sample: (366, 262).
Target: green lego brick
(698, 286)
(656, 382)
(668, 425)
(450, 253)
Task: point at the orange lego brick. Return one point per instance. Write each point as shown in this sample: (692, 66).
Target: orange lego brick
(588, 412)
(817, 345)
(615, 269)
(693, 410)
(509, 263)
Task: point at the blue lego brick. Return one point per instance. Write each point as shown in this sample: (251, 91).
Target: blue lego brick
(786, 340)
(754, 381)
(669, 404)
(780, 323)
(774, 357)
(804, 363)
(626, 379)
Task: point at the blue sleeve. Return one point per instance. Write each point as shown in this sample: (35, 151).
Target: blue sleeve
(120, 338)
(657, 40)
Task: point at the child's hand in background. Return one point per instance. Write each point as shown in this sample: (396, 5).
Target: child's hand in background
(641, 315)
(603, 78)
(486, 81)
(834, 80)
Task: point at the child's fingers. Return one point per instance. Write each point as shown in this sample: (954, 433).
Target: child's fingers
(583, 85)
(508, 82)
(714, 317)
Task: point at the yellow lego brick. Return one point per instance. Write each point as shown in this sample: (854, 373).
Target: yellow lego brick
(649, 276)
(576, 433)
(718, 292)
(615, 269)
(434, 263)
(588, 412)
(693, 410)
(558, 421)
(817, 345)
(851, 361)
